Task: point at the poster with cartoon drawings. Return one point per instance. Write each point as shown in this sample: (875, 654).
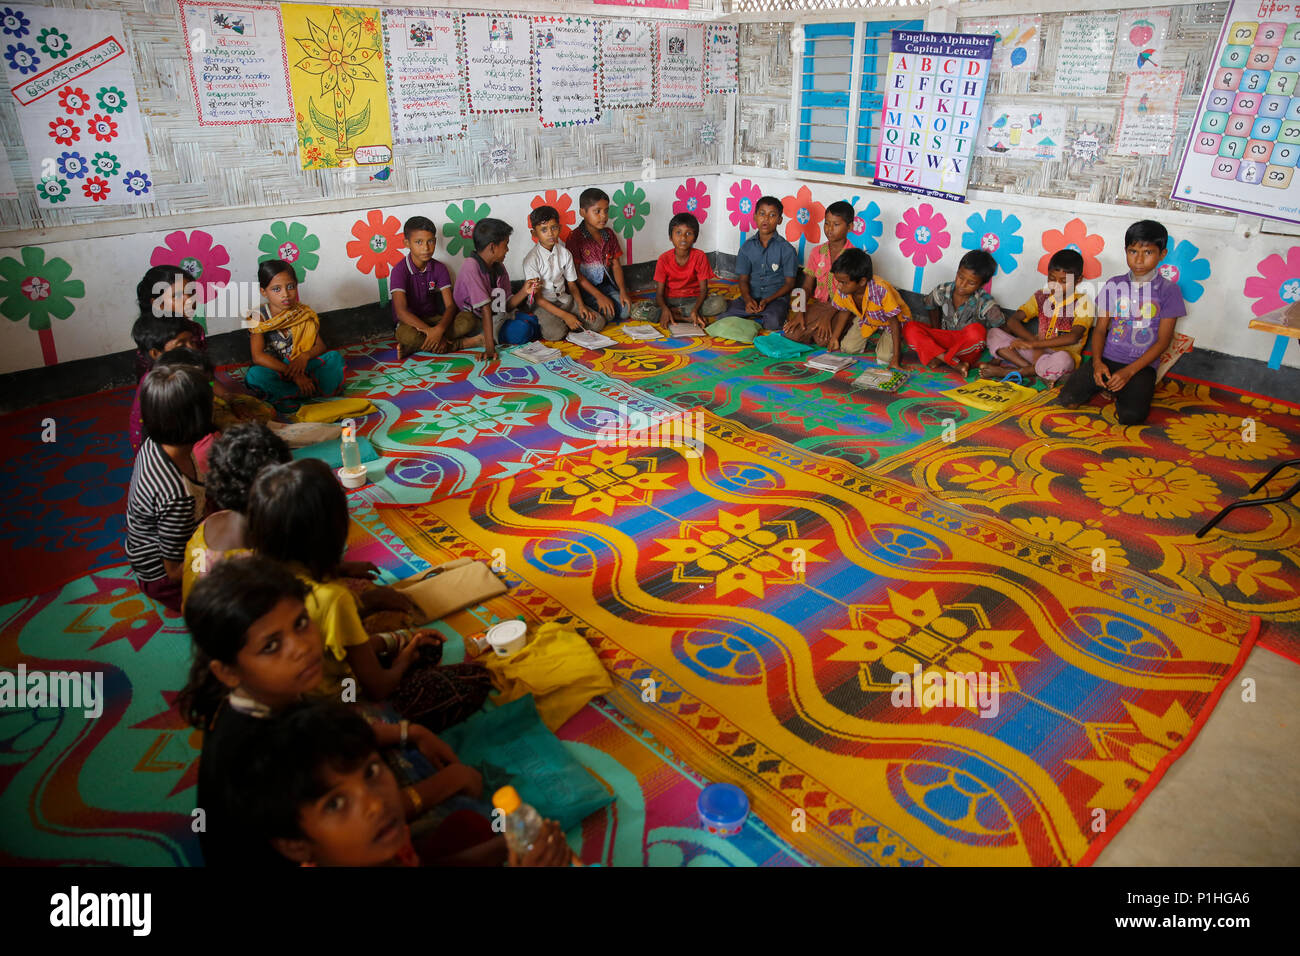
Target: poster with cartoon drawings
(1016, 41)
(1140, 41)
(70, 81)
(1021, 132)
(498, 63)
(1149, 113)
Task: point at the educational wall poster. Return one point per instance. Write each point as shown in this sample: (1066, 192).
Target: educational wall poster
(627, 65)
(424, 80)
(340, 91)
(1087, 45)
(1242, 152)
(722, 58)
(1016, 41)
(566, 70)
(239, 70)
(1021, 132)
(70, 80)
(1149, 113)
(1140, 40)
(498, 63)
(931, 115)
(8, 188)
(680, 74)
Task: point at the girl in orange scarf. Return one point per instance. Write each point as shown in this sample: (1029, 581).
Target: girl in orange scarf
(289, 357)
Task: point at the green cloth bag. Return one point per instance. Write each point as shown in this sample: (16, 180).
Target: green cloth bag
(734, 328)
(510, 745)
(779, 347)
(330, 452)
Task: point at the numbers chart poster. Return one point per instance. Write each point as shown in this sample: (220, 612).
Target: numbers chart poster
(627, 64)
(71, 83)
(238, 67)
(931, 117)
(681, 64)
(1244, 143)
(498, 63)
(566, 70)
(722, 58)
(340, 91)
(1016, 41)
(424, 82)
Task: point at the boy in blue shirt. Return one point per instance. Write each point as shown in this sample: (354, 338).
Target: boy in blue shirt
(766, 264)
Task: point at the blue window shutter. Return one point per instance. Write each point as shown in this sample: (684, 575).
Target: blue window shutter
(825, 97)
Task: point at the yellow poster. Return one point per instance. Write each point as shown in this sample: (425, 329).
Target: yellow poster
(340, 89)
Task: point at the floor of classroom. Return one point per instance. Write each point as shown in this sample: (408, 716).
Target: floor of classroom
(1185, 739)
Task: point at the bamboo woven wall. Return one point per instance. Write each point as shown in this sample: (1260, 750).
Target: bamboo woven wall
(199, 168)
(766, 71)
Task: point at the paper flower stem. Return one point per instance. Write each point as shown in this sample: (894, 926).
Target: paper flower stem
(51, 357)
(629, 250)
(742, 238)
(383, 291)
(1274, 359)
(916, 280)
(802, 240)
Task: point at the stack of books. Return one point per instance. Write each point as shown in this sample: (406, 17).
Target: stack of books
(881, 379)
(590, 340)
(536, 352)
(642, 332)
(828, 362)
(685, 330)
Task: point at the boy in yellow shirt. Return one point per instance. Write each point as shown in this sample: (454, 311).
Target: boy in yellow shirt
(873, 304)
(1064, 318)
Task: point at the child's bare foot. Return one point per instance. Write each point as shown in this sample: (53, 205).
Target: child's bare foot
(402, 352)
(932, 365)
(994, 370)
(469, 342)
(961, 368)
(1108, 396)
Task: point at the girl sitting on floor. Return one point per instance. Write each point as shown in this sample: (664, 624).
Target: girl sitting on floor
(298, 514)
(257, 652)
(290, 361)
(166, 495)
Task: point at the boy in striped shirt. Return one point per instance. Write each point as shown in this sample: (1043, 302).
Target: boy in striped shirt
(874, 305)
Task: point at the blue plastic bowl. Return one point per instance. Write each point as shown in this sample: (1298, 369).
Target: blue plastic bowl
(723, 809)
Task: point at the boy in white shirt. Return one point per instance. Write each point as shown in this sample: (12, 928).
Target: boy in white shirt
(560, 309)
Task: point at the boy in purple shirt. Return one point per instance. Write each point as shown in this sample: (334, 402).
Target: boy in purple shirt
(421, 290)
(482, 294)
(1136, 313)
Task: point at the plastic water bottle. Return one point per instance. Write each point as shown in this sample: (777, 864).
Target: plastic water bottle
(523, 823)
(350, 451)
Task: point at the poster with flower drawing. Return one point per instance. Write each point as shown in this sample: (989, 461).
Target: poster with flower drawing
(70, 79)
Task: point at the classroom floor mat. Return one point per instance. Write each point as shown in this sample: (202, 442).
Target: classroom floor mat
(755, 604)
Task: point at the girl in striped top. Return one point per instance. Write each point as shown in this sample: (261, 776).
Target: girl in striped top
(166, 496)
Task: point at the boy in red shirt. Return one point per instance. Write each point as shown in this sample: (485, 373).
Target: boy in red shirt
(682, 277)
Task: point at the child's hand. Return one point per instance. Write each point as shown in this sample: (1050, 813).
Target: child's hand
(833, 345)
(298, 365)
(531, 286)
(586, 313)
(606, 305)
(386, 599)
(407, 654)
(549, 850)
(306, 387)
(572, 322)
(433, 747)
(469, 780)
(697, 318)
(752, 305)
(432, 339)
(357, 569)
(666, 316)
(1100, 374)
(490, 355)
(1118, 379)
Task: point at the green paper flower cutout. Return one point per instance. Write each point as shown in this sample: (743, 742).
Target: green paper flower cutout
(106, 164)
(53, 189)
(292, 243)
(628, 209)
(34, 289)
(111, 99)
(459, 228)
(54, 42)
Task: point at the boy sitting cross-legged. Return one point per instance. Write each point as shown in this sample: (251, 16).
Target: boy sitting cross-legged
(560, 308)
(421, 291)
(961, 313)
(1064, 316)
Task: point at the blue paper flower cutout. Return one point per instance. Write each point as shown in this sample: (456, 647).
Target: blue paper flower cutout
(72, 165)
(22, 58)
(995, 235)
(137, 182)
(1182, 267)
(14, 22)
(866, 229)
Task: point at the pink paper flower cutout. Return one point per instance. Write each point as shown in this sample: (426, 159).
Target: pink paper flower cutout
(1278, 282)
(693, 197)
(740, 204)
(922, 235)
(198, 255)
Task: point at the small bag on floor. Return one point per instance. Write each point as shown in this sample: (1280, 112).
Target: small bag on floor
(452, 586)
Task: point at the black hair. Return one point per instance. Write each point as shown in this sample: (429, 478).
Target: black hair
(285, 771)
(152, 332)
(543, 214)
(842, 210)
(148, 288)
(176, 404)
(490, 231)
(1069, 260)
(590, 196)
(268, 270)
(683, 219)
(185, 356)
(236, 458)
(771, 201)
(1146, 230)
(419, 224)
(853, 263)
(224, 603)
(980, 262)
(298, 512)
